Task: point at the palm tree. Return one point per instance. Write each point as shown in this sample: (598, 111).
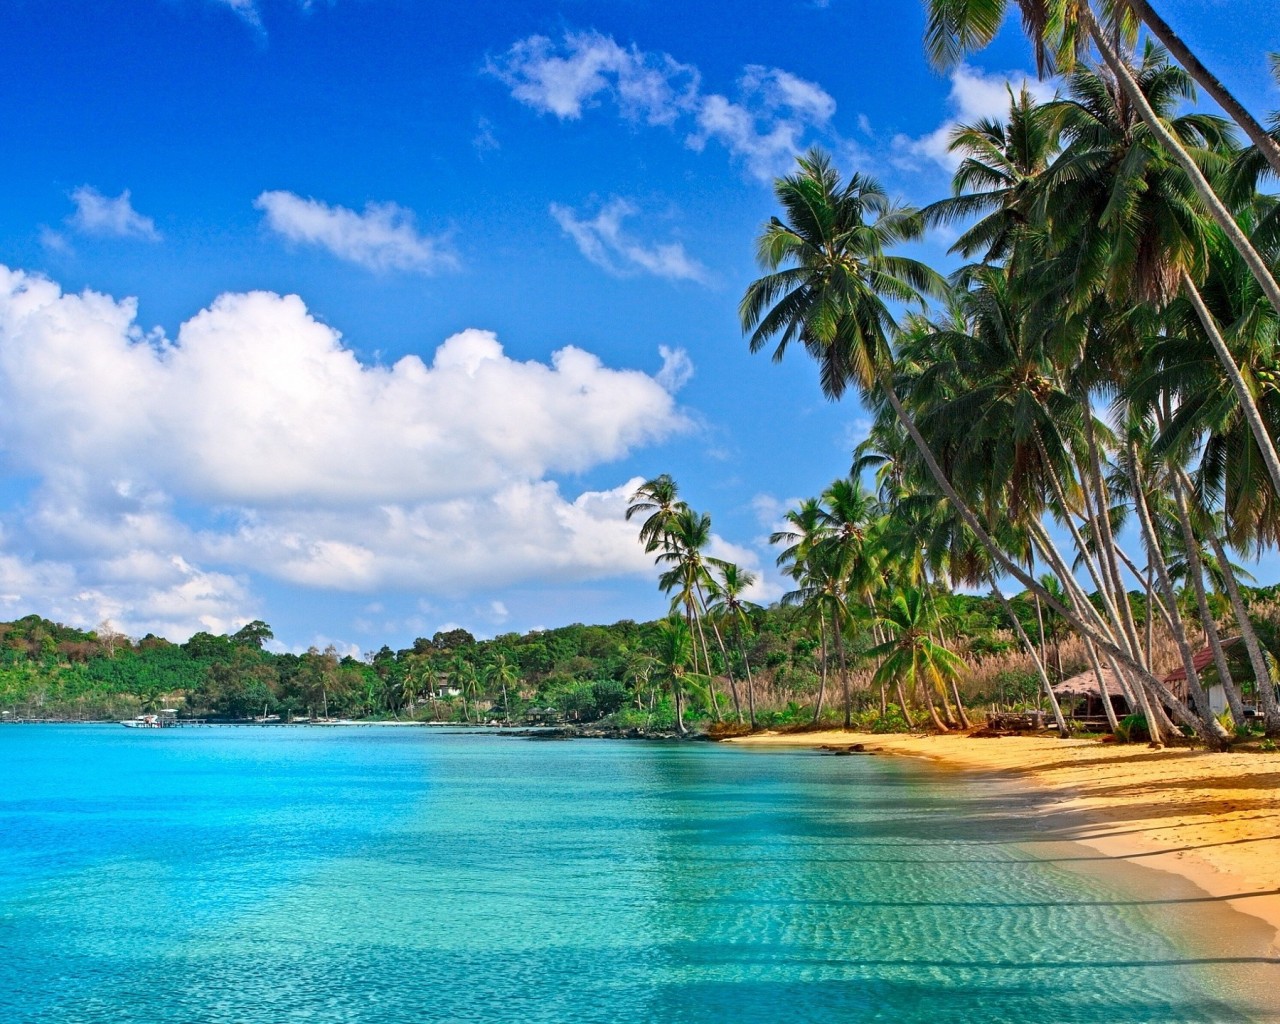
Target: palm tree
(997, 180)
(685, 537)
(674, 653)
(502, 674)
(912, 656)
(658, 500)
(725, 592)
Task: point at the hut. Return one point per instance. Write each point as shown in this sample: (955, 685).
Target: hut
(1086, 695)
(1208, 673)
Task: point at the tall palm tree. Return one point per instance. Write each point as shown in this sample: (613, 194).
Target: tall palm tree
(674, 654)
(912, 656)
(501, 674)
(658, 499)
(685, 538)
(726, 589)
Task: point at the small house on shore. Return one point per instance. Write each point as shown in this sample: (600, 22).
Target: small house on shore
(1085, 694)
(1208, 673)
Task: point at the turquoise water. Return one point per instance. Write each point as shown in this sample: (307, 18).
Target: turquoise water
(401, 875)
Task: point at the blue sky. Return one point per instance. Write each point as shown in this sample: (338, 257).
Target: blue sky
(363, 317)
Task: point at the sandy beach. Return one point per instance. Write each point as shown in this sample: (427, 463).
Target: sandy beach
(1213, 819)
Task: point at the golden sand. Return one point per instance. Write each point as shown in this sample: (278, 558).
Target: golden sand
(1212, 818)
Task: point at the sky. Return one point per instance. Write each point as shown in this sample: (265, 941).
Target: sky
(365, 317)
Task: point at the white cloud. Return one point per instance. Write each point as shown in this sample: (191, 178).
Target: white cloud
(767, 586)
(54, 241)
(603, 241)
(586, 67)
(97, 214)
(677, 368)
(246, 9)
(765, 127)
(305, 464)
(383, 237)
(142, 593)
(485, 139)
(975, 94)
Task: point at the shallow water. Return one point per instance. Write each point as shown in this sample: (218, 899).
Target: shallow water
(248, 876)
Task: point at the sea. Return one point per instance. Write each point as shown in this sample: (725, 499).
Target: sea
(376, 875)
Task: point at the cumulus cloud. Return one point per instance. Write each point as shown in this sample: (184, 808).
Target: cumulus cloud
(307, 465)
(384, 237)
(97, 214)
(603, 240)
(144, 593)
(764, 126)
(975, 94)
(586, 67)
(767, 586)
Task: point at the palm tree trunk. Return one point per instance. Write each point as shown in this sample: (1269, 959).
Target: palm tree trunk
(1208, 81)
(1012, 568)
(706, 658)
(1107, 708)
(1107, 544)
(1247, 405)
(961, 714)
(1082, 548)
(733, 686)
(1198, 697)
(844, 670)
(751, 690)
(1151, 611)
(1220, 214)
(926, 689)
(1261, 671)
(1195, 570)
(822, 647)
(902, 703)
(1058, 718)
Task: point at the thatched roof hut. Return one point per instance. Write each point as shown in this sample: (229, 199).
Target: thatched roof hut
(1085, 686)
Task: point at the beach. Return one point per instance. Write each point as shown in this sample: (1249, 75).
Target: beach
(1212, 818)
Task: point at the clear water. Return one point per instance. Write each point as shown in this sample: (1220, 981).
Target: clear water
(399, 875)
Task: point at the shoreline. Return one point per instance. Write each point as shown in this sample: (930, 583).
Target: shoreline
(1211, 819)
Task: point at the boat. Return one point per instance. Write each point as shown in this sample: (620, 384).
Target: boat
(166, 719)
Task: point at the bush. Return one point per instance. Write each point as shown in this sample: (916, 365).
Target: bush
(1133, 729)
(891, 721)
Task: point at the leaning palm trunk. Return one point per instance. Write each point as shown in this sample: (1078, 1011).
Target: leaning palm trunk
(1215, 207)
(902, 703)
(746, 665)
(1195, 570)
(1154, 552)
(1112, 722)
(1082, 548)
(706, 659)
(1261, 672)
(1058, 718)
(728, 666)
(1247, 405)
(1208, 81)
(1008, 565)
(1107, 544)
(961, 715)
(926, 692)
